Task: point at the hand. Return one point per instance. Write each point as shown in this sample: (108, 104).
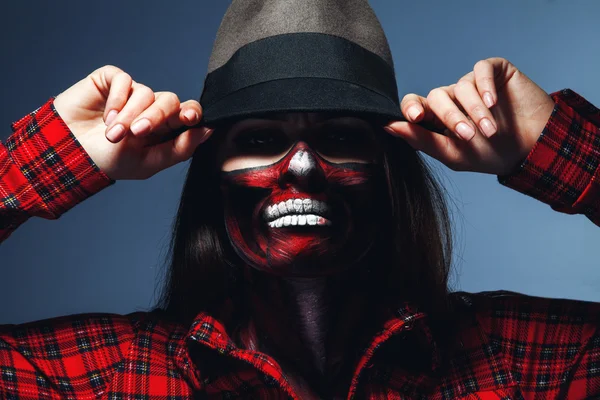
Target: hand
(102, 111)
(506, 113)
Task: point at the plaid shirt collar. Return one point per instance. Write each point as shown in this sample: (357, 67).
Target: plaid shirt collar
(210, 349)
(207, 353)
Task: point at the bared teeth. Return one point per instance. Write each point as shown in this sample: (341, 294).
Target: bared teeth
(300, 220)
(296, 207)
(282, 208)
(307, 203)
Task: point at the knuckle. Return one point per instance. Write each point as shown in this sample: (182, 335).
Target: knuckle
(481, 64)
(145, 91)
(477, 110)
(434, 94)
(408, 97)
(462, 86)
(450, 117)
(171, 100)
(125, 77)
(109, 68)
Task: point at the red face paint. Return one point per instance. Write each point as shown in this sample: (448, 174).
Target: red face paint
(301, 216)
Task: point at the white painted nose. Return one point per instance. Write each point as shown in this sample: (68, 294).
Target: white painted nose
(302, 164)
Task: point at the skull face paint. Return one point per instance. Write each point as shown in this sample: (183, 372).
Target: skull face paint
(302, 215)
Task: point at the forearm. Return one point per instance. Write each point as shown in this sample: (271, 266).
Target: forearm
(44, 171)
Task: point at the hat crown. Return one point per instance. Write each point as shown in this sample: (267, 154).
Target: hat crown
(247, 21)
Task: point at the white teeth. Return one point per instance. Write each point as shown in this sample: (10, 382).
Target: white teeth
(298, 205)
(282, 208)
(307, 205)
(316, 205)
(299, 220)
(294, 212)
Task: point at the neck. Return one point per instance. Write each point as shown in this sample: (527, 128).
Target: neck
(309, 325)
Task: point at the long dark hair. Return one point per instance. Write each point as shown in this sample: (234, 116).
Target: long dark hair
(200, 276)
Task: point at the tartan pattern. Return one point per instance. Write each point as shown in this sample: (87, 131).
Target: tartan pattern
(44, 171)
(562, 169)
(507, 346)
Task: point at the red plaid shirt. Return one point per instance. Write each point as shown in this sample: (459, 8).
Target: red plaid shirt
(508, 346)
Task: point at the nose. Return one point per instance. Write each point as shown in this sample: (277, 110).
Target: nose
(303, 169)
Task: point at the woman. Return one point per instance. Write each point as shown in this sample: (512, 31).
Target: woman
(311, 248)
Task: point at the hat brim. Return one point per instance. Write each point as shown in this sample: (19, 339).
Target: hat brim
(302, 95)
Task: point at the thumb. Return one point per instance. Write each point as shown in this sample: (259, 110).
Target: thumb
(176, 150)
(185, 144)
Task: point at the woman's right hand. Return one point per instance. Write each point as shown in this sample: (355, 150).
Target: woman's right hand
(103, 111)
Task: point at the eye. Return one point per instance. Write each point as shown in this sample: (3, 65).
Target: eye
(345, 135)
(338, 136)
(344, 142)
(259, 140)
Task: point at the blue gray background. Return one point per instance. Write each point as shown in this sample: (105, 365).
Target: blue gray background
(107, 253)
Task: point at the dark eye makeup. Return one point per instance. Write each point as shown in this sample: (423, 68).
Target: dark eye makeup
(260, 140)
(335, 139)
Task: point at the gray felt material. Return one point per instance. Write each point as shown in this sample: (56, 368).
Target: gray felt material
(249, 20)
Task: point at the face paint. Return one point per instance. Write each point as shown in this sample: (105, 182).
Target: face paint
(302, 215)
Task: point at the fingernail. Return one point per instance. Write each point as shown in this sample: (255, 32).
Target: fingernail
(111, 117)
(139, 127)
(115, 133)
(465, 131)
(191, 115)
(206, 134)
(389, 130)
(488, 99)
(487, 127)
(413, 113)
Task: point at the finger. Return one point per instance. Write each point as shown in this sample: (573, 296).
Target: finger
(120, 88)
(470, 100)
(179, 149)
(141, 98)
(485, 82)
(413, 107)
(191, 112)
(416, 109)
(165, 106)
(443, 148)
(444, 107)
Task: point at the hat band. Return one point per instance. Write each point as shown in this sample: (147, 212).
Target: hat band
(300, 55)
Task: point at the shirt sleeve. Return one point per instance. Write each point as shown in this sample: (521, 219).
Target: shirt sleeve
(562, 169)
(66, 357)
(44, 171)
(551, 346)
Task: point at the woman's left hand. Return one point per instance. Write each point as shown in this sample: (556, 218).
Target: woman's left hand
(486, 122)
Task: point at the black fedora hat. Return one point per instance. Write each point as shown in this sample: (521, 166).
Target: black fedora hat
(300, 55)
